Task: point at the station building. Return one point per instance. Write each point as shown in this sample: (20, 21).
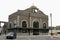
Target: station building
(31, 20)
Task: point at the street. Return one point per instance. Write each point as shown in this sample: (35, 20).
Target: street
(31, 37)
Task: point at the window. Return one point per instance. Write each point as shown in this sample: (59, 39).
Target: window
(36, 24)
(15, 23)
(44, 25)
(24, 25)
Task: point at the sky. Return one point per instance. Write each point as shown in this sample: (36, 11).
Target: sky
(8, 7)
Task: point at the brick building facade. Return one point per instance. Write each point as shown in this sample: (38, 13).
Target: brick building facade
(29, 20)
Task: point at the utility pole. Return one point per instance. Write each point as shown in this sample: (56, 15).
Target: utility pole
(51, 23)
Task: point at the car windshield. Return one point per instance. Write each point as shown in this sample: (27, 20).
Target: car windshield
(10, 33)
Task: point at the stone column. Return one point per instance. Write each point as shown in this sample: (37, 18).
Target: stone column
(18, 21)
(41, 24)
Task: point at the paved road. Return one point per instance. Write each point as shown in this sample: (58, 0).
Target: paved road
(37, 37)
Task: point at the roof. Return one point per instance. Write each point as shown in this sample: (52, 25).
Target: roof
(30, 10)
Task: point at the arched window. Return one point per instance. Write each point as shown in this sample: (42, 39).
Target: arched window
(35, 24)
(24, 25)
(44, 25)
(15, 22)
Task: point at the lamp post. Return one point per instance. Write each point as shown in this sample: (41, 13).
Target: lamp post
(51, 23)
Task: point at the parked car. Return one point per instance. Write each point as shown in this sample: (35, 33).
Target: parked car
(11, 35)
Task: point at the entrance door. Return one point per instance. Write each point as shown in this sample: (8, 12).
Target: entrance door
(35, 26)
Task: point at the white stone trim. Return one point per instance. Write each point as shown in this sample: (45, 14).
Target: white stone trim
(18, 20)
(26, 22)
(41, 23)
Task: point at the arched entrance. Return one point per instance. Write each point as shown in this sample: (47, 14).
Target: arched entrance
(35, 26)
(24, 25)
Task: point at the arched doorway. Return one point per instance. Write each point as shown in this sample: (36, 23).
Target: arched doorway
(24, 25)
(36, 27)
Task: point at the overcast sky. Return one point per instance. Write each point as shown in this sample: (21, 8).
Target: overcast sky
(8, 7)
